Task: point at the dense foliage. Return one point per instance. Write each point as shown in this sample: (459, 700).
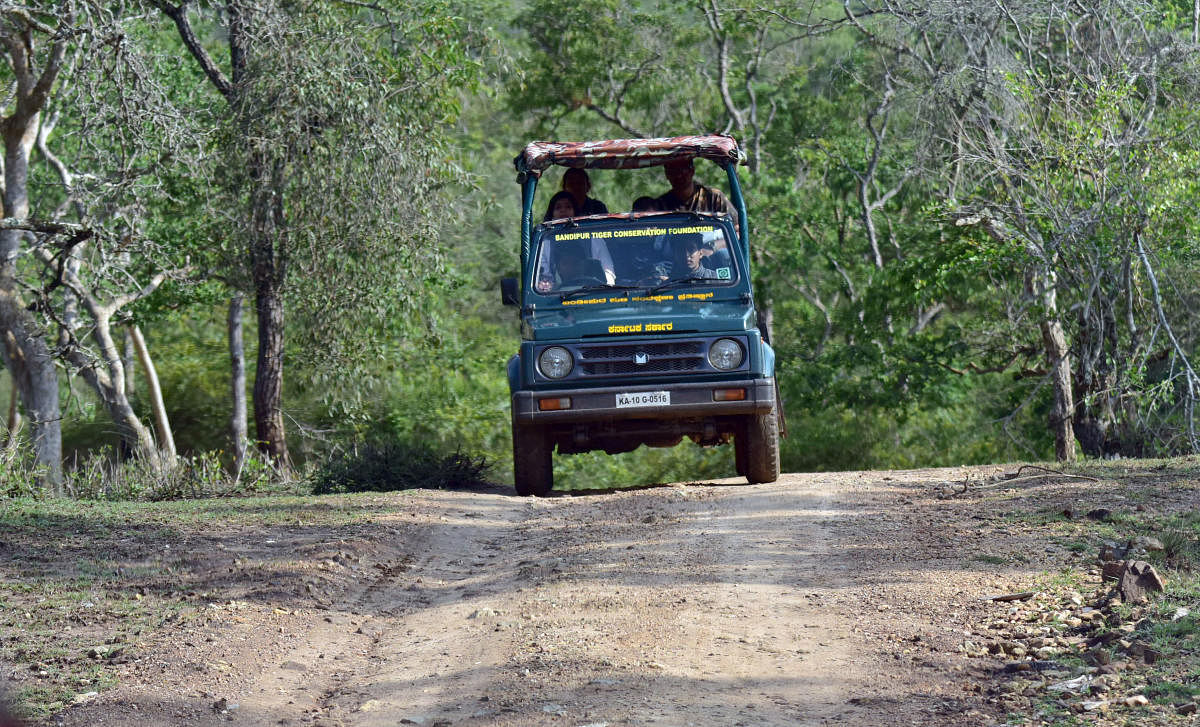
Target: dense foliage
(971, 224)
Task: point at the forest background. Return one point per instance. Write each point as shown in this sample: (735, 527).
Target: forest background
(973, 224)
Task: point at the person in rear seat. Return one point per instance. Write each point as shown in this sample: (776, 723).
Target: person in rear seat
(562, 205)
(646, 204)
(688, 195)
(577, 182)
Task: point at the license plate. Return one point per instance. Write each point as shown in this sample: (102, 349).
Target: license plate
(644, 398)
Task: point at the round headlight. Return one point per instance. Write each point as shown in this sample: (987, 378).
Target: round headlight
(725, 354)
(555, 362)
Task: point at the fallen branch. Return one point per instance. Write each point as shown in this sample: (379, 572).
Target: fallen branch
(1023, 596)
(1006, 480)
(1051, 471)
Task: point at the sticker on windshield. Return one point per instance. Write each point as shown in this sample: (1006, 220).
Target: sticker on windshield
(637, 232)
(723, 274)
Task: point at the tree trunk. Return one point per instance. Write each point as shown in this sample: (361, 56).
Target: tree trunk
(1058, 358)
(268, 378)
(13, 422)
(267, 223)
(26, 353)
(36, 380)
(266, 202)
(128, 360)
(237, 361)
(1096, 424)
(166, 441)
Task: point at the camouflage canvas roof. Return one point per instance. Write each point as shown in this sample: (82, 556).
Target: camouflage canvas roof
(628, 153)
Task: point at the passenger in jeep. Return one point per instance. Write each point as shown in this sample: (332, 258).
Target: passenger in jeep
(562, 205)
(577, 182)
(646, 204)
(687, 194)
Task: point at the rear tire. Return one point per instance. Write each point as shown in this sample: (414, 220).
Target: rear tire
(761, 437)
(533, 468)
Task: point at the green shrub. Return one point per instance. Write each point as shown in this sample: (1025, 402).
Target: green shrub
(19, 472)
(102, 476)
(387, 466)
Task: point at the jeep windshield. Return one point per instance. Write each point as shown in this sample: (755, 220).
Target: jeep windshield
(642, 252)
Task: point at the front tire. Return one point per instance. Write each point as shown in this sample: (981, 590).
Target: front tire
(761, 458)
(740, 455)
(533, 468)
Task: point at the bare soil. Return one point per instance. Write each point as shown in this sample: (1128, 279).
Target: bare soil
(820, 599)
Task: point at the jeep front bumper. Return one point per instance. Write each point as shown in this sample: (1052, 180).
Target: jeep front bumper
(687, 401)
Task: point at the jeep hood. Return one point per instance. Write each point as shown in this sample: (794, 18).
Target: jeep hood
(584, 318)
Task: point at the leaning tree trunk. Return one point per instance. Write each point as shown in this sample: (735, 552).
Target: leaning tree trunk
(107, 379)
(162, 424)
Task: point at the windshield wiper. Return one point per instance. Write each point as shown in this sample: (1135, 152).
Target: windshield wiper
(594, 288)
(676, 281)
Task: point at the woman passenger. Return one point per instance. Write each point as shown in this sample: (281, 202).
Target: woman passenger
(562, 205)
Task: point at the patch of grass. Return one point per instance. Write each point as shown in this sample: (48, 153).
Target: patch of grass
(1181, 543)
(1050, 712)
(55, 628)
(1124, 520)
(1064, 579)
(103, 476)
(990, 559)
(41, 701)
(83, 583)
(1174, 631)
(1170, 692)
(1076, 546)
(1183, 590)
(167, 521)
(1040, 517)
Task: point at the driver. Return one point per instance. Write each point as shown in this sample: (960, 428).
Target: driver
(569, 260)
(689, 254)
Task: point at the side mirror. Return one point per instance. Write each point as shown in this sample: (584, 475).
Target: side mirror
(510, 294)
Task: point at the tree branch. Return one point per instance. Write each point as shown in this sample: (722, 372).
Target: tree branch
(178, 13)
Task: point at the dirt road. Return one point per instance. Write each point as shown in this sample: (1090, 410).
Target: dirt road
(820, 599)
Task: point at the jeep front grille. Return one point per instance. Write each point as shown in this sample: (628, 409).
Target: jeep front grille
(659, 358)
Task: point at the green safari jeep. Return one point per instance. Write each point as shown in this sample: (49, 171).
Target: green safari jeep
(637, 328)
